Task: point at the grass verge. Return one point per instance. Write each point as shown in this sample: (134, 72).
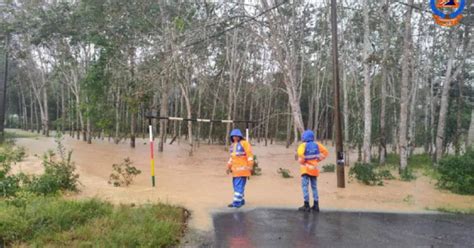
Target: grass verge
(454, 210)
(56, 222)
(17, 133)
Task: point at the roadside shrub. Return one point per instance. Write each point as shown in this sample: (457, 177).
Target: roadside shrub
(285, 173)
(329, 168)
(407, 174)
(123, 173)
(385, 174)
(9, 184)
(59, 175)
(365, 173)
(456, 173)
(59, 172)
(256, 170)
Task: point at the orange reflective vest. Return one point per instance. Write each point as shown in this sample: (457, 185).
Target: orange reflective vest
(241, 159)
(309, 158)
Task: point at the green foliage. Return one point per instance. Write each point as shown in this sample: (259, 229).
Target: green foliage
(392, 159)
(50, 221)
(420, 161)
(285, 173)
(370, 174)
(329, 168)
(9, 154)
(456, 173)
(385, 174)
(59, 172)
(16, 134)
(123, 173)
(365, 173)
(31, 216)
(407, 174)
(456, 210)
(256, 170)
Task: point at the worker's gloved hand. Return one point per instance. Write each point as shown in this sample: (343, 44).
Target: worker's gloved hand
(228, 171)
(319, 157)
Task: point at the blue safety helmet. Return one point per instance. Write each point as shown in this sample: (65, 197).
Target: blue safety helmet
(307, 136)
(236, 132)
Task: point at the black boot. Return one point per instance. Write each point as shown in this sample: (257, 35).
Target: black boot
(305, 207)
(315, 207)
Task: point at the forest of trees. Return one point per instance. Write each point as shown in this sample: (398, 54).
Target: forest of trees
(94, 69)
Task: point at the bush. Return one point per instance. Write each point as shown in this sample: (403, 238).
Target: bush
(365, 173)
(385, 174)
(329, 168)
(9, 184)
(59, 172)
(123, 173)
(256, 171)
(59, 175)
(285, 173)
(407, 174)
(456, 173)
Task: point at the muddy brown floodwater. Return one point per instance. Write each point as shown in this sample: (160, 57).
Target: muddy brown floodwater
(200, 184)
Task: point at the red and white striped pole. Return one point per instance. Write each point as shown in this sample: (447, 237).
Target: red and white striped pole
(152, 157)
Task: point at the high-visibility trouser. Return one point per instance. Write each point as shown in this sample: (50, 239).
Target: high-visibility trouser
(239, 190)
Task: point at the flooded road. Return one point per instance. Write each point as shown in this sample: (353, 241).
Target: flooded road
(289, 228)
(200, 184)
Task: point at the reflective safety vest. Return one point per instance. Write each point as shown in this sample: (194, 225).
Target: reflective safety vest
(309, 154)
(241, 159)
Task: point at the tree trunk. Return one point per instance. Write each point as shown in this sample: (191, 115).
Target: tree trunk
(367, 97)
(470, 138)
(412, 114)
(345, 107)
(198, 136)
(383, 93)
(288, 127)
(403, 143)
(117, 116)
(440, 134)
(133, 128)
(163, 113)
(189, 116)
(213, 114)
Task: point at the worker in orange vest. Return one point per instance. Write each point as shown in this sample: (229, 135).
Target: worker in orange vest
(309, 154)
(240, 164)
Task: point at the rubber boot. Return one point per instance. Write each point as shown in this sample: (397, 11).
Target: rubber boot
(234, 205)
(315, 207)
(305, 207)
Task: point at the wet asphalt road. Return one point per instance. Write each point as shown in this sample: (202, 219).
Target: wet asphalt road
(290, 228)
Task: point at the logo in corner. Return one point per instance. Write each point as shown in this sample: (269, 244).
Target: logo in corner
(447, 13)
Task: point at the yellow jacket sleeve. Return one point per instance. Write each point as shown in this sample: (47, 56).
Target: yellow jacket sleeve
(324, 152)
(300, 152)
(248, 151)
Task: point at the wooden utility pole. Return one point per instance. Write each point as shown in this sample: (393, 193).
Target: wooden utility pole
(337, 109)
